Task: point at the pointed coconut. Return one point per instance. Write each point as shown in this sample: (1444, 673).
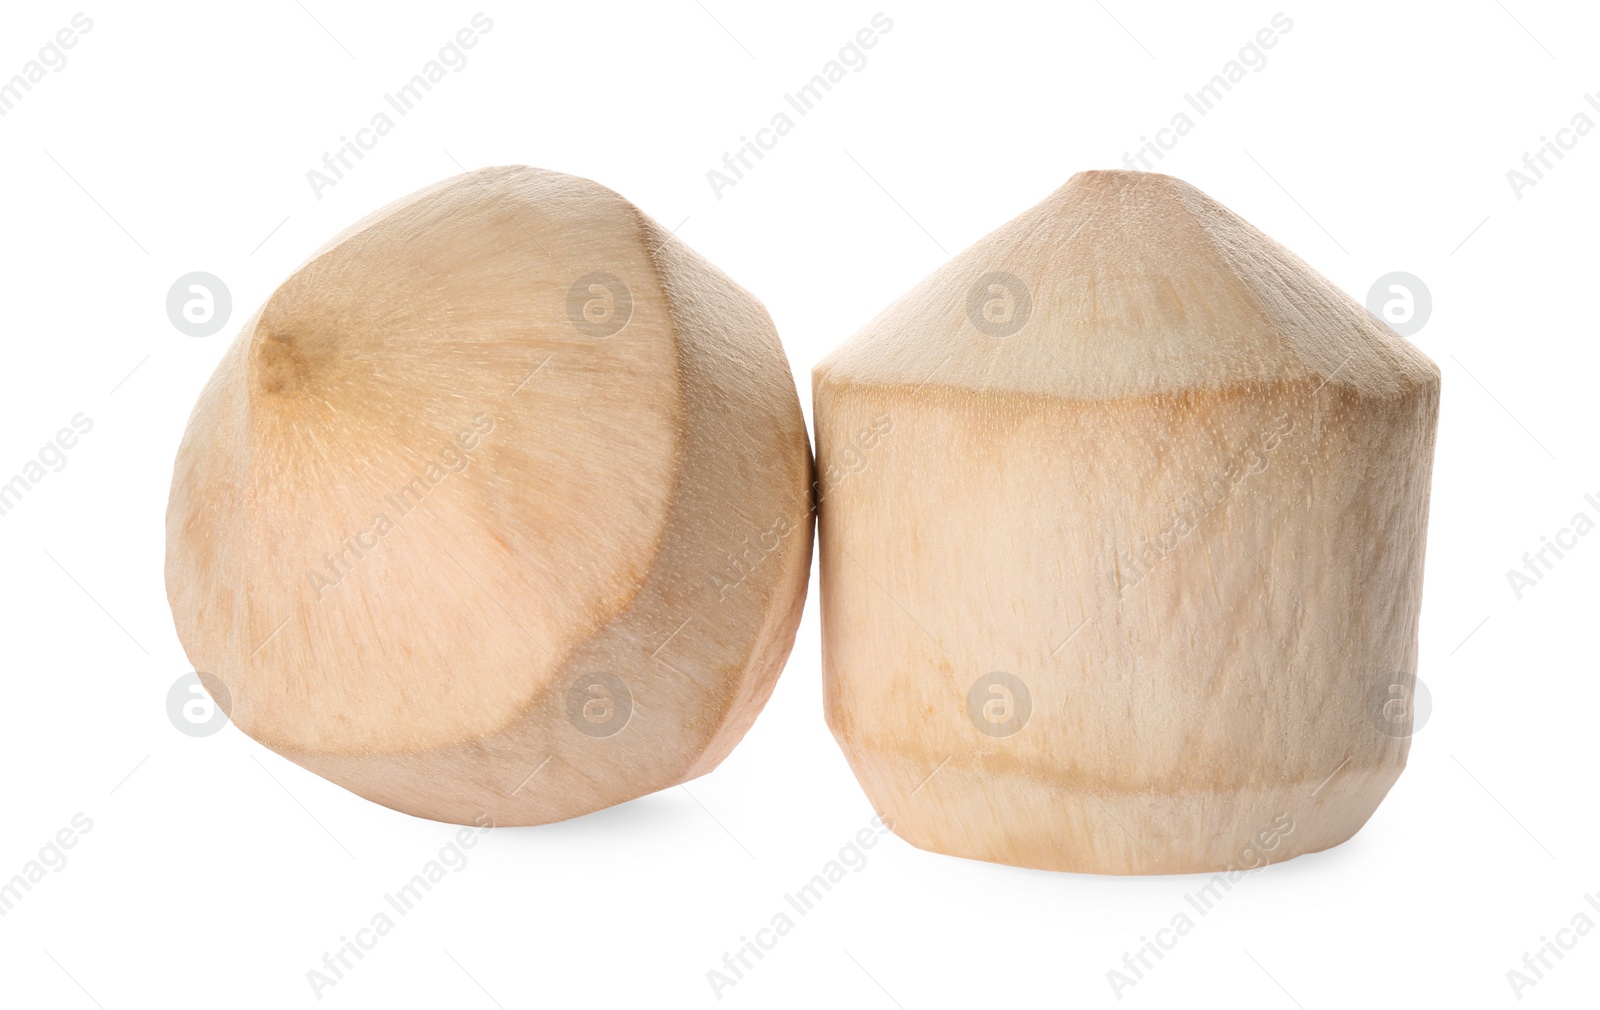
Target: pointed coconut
(498, 507)
(1121, 533)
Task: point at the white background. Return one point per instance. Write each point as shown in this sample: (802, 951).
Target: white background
(178, 138)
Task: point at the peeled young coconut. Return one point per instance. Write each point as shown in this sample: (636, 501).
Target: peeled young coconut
(497, 508)
(1123, 513)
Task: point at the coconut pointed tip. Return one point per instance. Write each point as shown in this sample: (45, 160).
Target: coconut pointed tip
(1112, 180)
